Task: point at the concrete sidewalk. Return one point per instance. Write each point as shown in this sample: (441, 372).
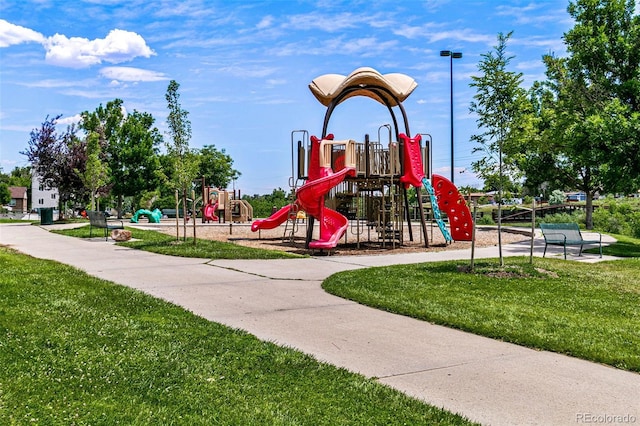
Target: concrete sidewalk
(485, 380)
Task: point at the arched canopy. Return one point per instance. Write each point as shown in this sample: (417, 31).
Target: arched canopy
(395, 87)
(388, 89)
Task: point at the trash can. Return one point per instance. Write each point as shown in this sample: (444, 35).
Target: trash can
(46, 216)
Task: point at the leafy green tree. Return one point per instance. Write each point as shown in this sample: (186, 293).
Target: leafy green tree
(588, 113)
(264, 204)
(500, 104)
(184, 162)
(134, 157)
(55, 159)
(5, 194)
(95, 174)
(604, 64)
(20, 176)
(131, 148)
(216, 166)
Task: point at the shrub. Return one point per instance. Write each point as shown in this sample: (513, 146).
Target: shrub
(577, 216)
(617, 218)
(485, 220)
(556, 197)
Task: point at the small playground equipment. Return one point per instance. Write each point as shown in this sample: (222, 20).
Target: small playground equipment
(225, 206)
(152, 216)
(209, 212)
(364, 184)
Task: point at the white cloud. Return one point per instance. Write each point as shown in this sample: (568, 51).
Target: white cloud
(76, 52)
(11, 34)
(53, 84)
(532, 14)
(131, 74)
(266, 22)
(331, 23)
(66, 121)
(461, 35)
(247, 71)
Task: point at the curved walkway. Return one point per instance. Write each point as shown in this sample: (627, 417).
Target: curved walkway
(488, 381)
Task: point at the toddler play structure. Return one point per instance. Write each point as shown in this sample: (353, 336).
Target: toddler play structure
(364, 184)
(225, 206)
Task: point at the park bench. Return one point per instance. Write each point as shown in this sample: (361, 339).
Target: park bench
(99, 220)
(566, 234)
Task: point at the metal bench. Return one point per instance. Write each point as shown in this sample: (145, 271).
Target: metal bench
(566, 234)
(99, 220)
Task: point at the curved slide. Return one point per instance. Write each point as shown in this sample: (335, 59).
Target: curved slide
(272, 221)
(209, 212)
(332, 228)
(311, 199)
(453, 203)
(443, 191)
(436, 210)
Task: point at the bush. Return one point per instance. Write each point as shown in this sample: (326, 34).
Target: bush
(617, 218)
(577, 216)
(556, 197)
(485, 220)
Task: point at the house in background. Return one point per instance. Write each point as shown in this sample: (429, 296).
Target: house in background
(42, 197)
(19, 198)
(576, 196)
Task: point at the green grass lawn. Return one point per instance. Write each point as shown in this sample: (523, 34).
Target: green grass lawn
(624, 247)
(590, 311)
(7, 220)
(158, 242)
(79, 350)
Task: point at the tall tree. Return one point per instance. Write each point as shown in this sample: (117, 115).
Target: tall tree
(216, 166)
(106, 122)
(588, 111)
(55, 159)
(135, 166)
(183, 160)
(5, 194)
(500, 104)
(20, 176)
(95, 174)
(130, 149)
(604, 67)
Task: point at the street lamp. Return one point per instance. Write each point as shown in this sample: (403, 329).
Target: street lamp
(452, 56)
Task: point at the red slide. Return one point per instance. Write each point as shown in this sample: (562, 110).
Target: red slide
(209, 212)
(272, 221)
(311, 199)
(452, 202)
(333, 227)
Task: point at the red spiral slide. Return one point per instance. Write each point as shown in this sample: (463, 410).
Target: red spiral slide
(311, 199)
(209, 212)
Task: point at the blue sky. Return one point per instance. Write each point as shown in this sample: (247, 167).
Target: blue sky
(244, 68)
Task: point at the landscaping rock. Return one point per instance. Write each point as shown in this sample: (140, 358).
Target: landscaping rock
(121, 235)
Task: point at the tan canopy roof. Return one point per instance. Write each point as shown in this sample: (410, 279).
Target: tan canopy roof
(329, 86)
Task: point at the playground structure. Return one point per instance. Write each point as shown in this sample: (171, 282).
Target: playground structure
(152, 216)
(363, 185)
(225, 206)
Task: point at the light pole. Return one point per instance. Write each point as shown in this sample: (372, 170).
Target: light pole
(452, 56)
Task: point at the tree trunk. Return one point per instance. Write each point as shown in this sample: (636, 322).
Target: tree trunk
(119, 206)
(184, 214)
(177, 216)
(589, 210)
